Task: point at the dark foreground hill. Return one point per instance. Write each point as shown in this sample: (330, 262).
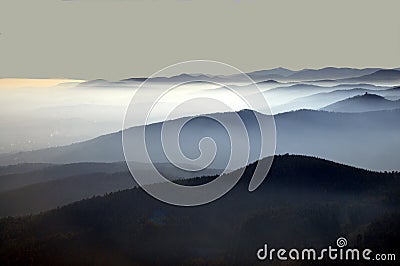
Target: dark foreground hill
(304, 202)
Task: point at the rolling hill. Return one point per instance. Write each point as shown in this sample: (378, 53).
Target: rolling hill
(319, 100)
(22, 176)
(22, 168)
(304, 202)
(48, 195)
(363, 103)
(57, 185)
(383, 76)
(328, 95)
(342, 137)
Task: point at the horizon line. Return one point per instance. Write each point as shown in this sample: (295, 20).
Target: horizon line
(76, 79)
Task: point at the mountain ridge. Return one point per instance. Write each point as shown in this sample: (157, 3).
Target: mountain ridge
(366, 102)
(278, 74)
(317, 126)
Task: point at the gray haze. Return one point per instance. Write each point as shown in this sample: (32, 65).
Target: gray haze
(119, 39)
(42, 117)
(367, 140)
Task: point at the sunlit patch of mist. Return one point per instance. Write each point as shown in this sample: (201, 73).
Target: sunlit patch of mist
(34, 117)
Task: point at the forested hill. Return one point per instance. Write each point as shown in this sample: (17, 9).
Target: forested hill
(303, 202)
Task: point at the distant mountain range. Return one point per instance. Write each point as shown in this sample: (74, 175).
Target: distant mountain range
(306, 96)
(275, 72)
(363, 103)
(330, 73)
(319, 100)
(380, 76)
(350, 75)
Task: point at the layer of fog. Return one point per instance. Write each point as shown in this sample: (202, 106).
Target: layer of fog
(35, 118)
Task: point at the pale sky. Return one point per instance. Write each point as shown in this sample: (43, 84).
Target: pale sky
(115, 39)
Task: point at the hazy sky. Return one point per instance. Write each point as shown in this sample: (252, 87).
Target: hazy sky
(85, 39)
